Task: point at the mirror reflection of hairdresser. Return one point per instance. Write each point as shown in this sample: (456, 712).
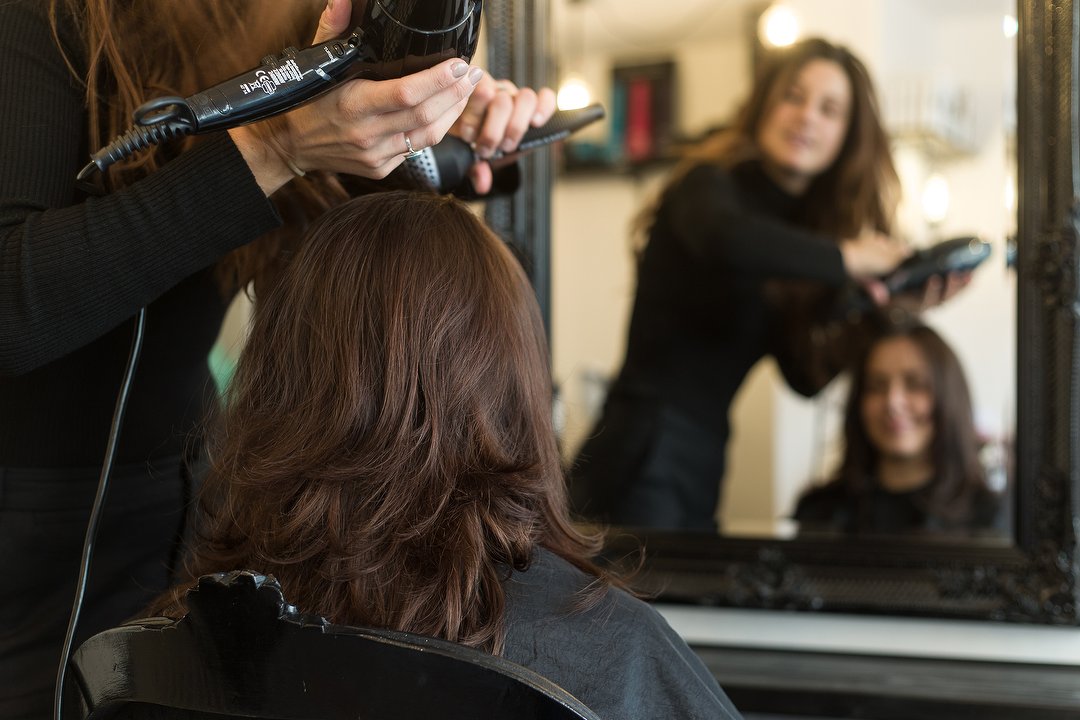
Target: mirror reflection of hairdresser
(911, 452)
(180, 228)
(752, 248)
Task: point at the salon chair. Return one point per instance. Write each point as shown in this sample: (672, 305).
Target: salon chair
(243, 651)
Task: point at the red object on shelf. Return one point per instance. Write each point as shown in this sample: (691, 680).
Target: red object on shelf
(639, 120)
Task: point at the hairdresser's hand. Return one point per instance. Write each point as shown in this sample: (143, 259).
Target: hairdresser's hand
(496, 117)
(360, 127)
(936, 291)
(872, 254)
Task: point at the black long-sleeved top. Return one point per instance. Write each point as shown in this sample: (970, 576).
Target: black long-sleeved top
(75, 269)
(836, 508)
(700, 318)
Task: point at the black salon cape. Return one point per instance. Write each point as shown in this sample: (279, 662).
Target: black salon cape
(700, 322)
(619, 657)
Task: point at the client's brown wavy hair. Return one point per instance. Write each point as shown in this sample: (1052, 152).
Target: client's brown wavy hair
(386, 449)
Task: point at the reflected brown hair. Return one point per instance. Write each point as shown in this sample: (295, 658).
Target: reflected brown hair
(135, 50)
(958, 475)
(386, 447)
(859, 190)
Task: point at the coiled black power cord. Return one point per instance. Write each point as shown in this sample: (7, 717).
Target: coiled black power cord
(158, 120)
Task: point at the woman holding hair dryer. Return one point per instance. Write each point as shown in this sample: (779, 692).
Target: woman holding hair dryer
(179, 231)
(752, 246)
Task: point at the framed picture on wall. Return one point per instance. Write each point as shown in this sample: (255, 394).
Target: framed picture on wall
(643, 102)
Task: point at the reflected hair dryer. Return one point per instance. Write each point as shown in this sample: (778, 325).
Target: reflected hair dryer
(955, 255)
(389, 39)
(959, 254)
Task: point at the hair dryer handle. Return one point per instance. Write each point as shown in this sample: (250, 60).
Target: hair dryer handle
(959, 254)
(561, 124)
(443, 167)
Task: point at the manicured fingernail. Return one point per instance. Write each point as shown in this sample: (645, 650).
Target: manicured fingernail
(459, 69)
(475, 75)
(537, 119)
(468, 133)
(508, 145)
(484, 151)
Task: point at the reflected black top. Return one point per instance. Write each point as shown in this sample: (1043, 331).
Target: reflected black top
(700, 320)
(834, 508)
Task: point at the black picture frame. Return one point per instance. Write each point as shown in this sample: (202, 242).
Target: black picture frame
(1035, 578)
(643, 112)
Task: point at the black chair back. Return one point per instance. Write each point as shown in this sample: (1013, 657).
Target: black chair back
(243, 651)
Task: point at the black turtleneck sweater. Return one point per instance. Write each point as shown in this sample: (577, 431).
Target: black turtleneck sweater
(700, 320)
(75, 269)
(837, 508)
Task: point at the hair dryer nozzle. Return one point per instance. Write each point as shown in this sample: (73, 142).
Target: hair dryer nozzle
(412, 35)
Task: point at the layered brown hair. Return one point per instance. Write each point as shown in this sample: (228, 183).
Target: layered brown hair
(959, 479)
(860, 190)
(136, 50)
(386, 447)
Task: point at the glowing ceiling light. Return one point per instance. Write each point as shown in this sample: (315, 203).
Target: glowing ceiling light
(573, 94)
(935, 199)
(779, 26)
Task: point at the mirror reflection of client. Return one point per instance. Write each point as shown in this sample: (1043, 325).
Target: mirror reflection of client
(386, 451)
(911, 454)
(751, 248)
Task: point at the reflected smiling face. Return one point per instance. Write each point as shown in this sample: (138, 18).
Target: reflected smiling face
(897, 404)
(802, 133)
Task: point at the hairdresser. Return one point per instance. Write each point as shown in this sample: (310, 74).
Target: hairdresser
(752, 247)
(179, 231)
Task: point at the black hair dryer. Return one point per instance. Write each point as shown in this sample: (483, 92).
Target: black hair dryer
(443, 167)
(389, 39)
(400, 37)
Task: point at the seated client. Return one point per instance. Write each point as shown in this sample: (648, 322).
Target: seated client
(385, 450)
(911, 455)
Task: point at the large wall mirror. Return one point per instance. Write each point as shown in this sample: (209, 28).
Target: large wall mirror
(978, 98)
